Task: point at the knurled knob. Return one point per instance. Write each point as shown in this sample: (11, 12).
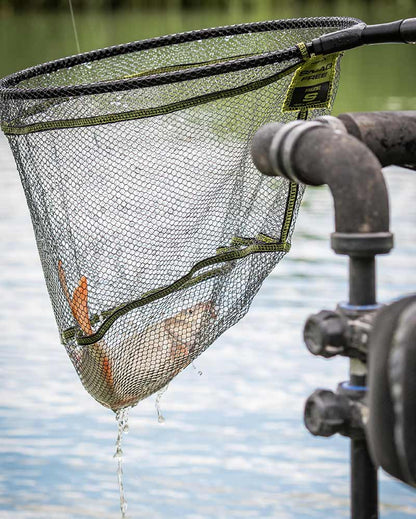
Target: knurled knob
(326, 413)
(324, 333)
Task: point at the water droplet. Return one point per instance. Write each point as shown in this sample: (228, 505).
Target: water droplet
(118, 453)
(196, 369)
(160, 417)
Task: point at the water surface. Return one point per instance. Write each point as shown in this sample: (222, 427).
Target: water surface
(233, 444)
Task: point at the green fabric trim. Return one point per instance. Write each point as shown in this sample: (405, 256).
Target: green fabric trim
(146, 112)
(71, 333)
(303, 114)
(225, 254)
(303, 50)
(289, 211)
(183, 282)
(44, 105)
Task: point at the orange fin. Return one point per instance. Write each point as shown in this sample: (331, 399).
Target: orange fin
(107, 371)
(64, 284)
(79, 306)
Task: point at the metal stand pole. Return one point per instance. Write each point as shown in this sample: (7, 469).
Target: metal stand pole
(364, 484)
(364, 491)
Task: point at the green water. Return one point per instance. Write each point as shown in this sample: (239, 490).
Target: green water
(373, 78)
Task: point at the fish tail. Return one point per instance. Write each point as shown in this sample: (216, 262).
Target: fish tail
(79, 308)
(64, 284)
(108, 373)
(79, 302)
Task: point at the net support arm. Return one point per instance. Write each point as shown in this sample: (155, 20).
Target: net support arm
(391, 136)
(313, 153)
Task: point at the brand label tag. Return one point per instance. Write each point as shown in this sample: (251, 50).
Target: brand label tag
(311, 86)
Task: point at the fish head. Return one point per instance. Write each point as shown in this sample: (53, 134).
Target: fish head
(186, 324)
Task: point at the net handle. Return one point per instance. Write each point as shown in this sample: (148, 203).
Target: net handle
(400, 31)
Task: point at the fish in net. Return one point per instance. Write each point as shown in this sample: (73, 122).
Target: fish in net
(154, 229)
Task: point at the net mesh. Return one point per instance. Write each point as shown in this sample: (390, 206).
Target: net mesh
(154, 229)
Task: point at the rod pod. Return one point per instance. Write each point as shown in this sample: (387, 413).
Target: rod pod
(322, 152)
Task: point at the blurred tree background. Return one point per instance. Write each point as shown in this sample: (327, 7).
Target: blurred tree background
(247, 5)
(373, 78)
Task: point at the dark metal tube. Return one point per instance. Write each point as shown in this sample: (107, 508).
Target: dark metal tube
(314, 155)
(319, 155)
(353, 174)
(391, 136)
(364, 492)
(364, 487)
(362, 281)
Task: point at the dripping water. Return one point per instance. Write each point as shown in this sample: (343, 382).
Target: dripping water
(160, 417)
(122, 417)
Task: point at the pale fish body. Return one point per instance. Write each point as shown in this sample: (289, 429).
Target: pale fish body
(124, 374)
(96, 373)
(121, 375)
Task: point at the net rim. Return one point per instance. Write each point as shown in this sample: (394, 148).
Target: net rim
(9, 90)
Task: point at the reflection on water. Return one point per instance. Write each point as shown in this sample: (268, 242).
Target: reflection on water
(233, 444)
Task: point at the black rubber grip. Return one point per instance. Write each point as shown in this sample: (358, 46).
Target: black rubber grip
(383, 33)
(400, 31)
(338, 41)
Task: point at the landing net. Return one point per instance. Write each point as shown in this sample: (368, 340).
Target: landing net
(154, 228)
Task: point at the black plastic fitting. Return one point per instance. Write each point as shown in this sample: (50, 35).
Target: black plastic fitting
(408, 30)
(400, 31)
(327, 413)
(344, 331)
(324, 334)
